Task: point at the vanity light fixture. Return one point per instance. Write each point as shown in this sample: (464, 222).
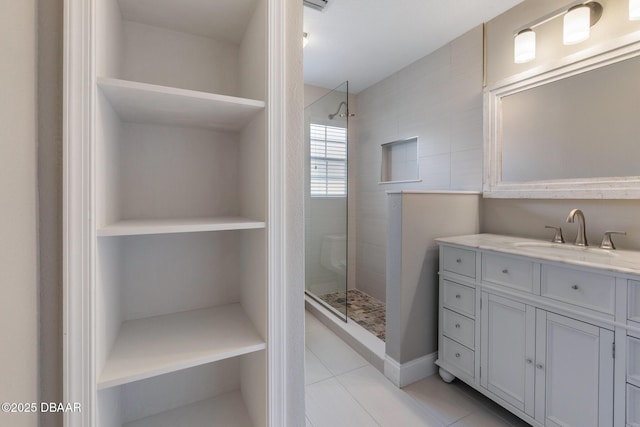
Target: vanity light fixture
(524, 46)
(578, 17)
(634, 10)
(577, 25)
(305, 39)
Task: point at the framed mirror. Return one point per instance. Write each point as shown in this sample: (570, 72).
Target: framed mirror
(573, 132)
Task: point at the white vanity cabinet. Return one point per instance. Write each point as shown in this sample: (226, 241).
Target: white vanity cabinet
(546, 365)
(545, 330)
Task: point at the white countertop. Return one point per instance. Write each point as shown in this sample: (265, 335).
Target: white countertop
(620, 261)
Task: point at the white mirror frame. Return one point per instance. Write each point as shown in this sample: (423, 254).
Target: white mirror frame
(627, 187)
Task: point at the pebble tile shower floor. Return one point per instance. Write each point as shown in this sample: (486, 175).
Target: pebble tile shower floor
(363, 309)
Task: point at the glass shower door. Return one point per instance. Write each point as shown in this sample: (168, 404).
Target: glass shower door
(326, 143)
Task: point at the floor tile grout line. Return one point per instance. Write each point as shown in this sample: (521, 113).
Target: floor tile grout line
(329, 369)
(353, 369)
(414, 400)
(355, 399)
(375, 420)
(333, 374)
(434, 415)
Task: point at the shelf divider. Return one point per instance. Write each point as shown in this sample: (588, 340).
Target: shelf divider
(158, 345)
(147, 103)
(185, 225)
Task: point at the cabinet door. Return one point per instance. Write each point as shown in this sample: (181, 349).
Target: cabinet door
(574, 372)
(508, 350)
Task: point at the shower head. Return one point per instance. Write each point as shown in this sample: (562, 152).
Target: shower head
(331, 116)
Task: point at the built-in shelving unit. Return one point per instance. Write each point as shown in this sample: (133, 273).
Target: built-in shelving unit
(174, 170)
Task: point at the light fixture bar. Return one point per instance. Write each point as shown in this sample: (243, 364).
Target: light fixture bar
(558, 12)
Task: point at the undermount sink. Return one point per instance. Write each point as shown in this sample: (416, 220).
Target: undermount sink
(565, 249)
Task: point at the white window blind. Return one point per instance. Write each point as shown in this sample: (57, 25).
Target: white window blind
(328, 161)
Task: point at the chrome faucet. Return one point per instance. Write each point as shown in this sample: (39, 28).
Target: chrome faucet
(581, 238)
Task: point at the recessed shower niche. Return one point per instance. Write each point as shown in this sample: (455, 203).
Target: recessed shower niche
(400, 161)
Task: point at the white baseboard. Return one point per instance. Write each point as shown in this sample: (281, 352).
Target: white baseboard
(415, 370)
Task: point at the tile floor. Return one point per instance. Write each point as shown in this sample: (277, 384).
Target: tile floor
(344, 390)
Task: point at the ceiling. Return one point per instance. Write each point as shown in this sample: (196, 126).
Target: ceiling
(364, 41)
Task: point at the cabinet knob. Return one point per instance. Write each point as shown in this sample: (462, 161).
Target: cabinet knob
(574, 287)
(505, 271)
(458, 296)
(529, 361)
(458, 260)
(457, 325)
(458, 355)
(540, 366)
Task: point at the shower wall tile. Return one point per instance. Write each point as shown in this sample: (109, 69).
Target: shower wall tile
(436, 172)
(371, 283)
(466, 167)
(438, 99)
(467, 132)
(368, 229)
(372, 204)
(433, 138)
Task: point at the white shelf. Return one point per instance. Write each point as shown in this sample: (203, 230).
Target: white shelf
(187, 225)
(158, 345)
(226, 410)
(147, 103)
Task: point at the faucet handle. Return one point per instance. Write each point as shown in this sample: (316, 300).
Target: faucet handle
(607, 243)
(558, 238)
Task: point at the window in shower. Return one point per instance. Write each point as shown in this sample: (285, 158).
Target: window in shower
(328, 161)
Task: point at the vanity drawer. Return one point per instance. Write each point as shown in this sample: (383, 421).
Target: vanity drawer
(634, 301)
(633, 406)
(633, 360)
(459, 298)
(507, 271)
(460, 261)
(458, 327)
(459, 356)
(585, 289)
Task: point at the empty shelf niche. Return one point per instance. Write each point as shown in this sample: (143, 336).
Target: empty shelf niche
(170, 302)
(215, 394)
(153, 172)
(187, 44)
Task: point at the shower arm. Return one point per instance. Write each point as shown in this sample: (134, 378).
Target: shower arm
(331, 116)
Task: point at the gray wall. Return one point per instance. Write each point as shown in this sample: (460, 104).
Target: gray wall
(294, 174)
(18, 215)
(50, 20)
(526, 217)
(415, 220)
(438, 99)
